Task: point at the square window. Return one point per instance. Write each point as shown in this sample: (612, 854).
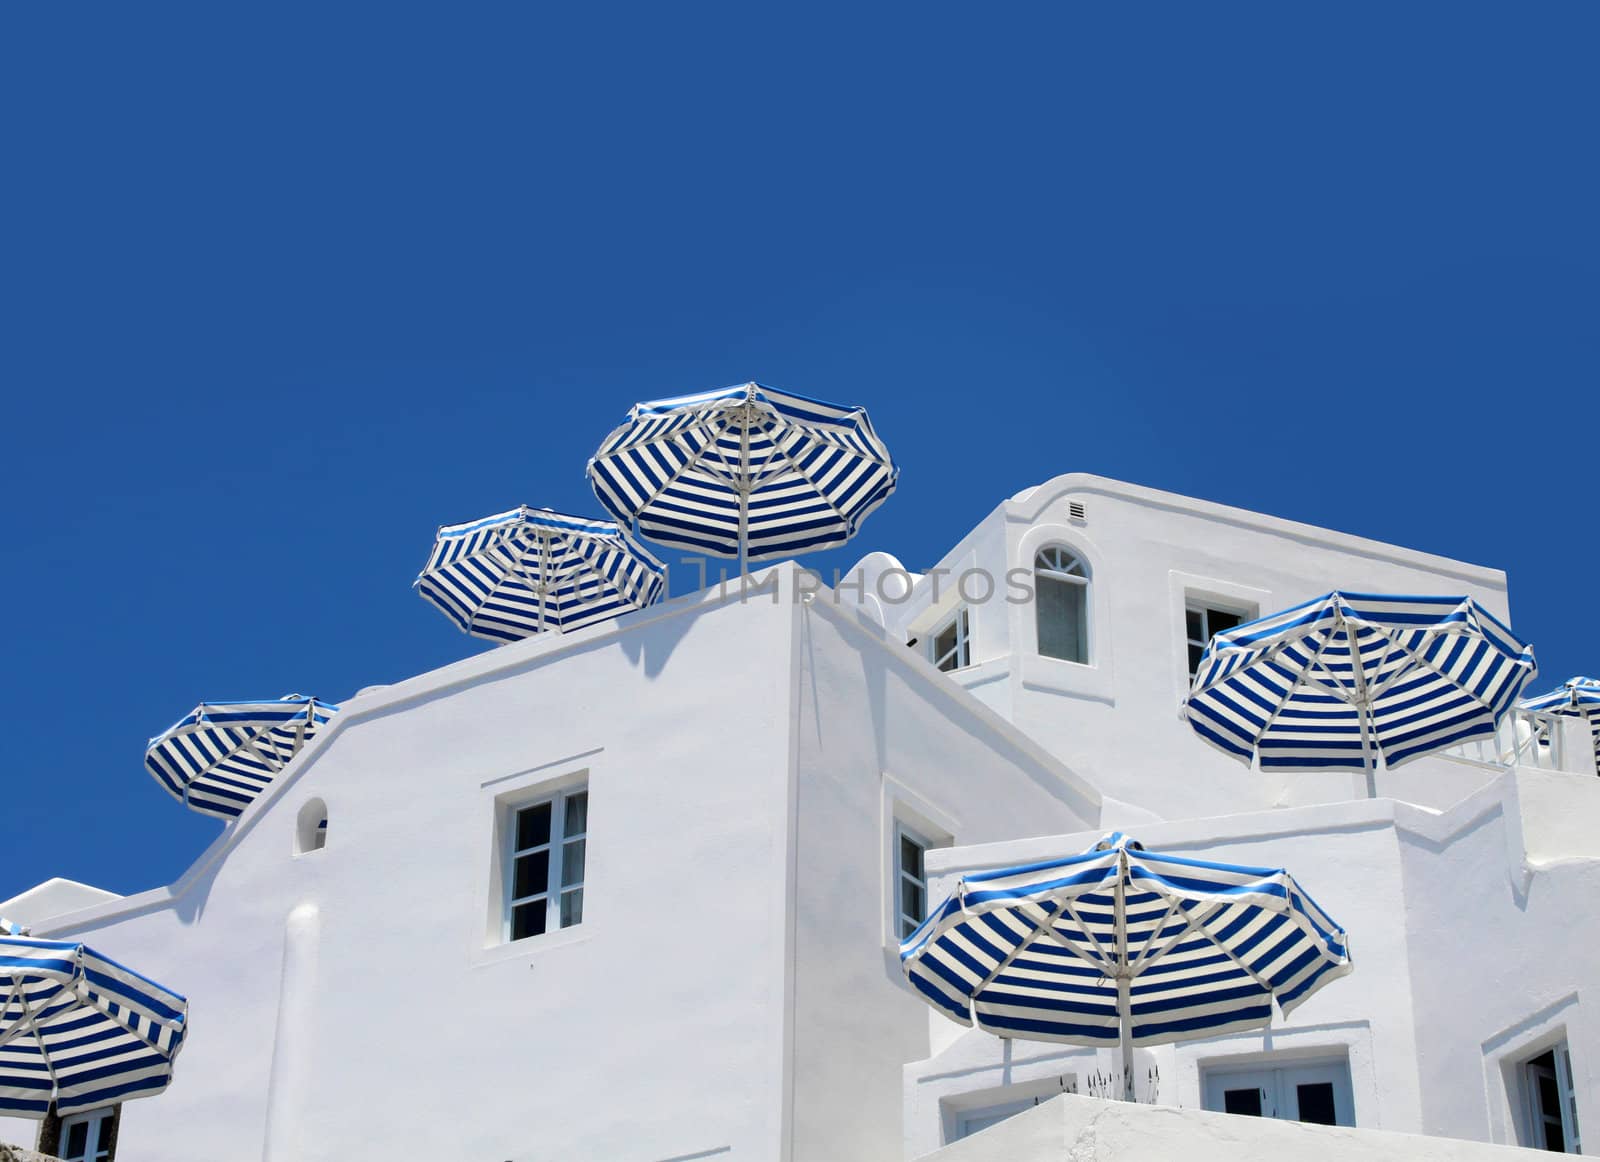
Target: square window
(1202, 622)
(85, 1137)
(1550, 1106)
(950, 646)
(911, 897)
(546, 859)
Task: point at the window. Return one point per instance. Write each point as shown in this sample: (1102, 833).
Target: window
(968, 1113)
(545, 864)
(971, 1121)
(1316, 1092)
(87, 1137)
(1201, 623)
(911, 880)
(950, 647)
(1550, 1104)
(311, 827)
(1061, 604)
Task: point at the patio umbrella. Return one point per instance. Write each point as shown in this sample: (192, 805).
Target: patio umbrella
(78, 1030)
(1122, 946)
(1574, 698)
(746, 471)
(221, 755)
(522, 572)
(1341, 680)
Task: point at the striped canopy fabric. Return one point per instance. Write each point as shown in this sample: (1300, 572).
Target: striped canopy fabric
(522, 572)
(1123, 945)
(1336, 682)
(745, 470)
(221, 755)
(78, 1030)
(1575, 698)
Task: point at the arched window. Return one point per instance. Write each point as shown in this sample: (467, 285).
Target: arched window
(1061, 602)
(311, 827)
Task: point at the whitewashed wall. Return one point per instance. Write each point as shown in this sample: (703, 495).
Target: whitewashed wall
(1116, 719)
(734, 989)
(1471, 933)
(879, 733)
(406, 1028)
(731, 990)
(1086, 1130)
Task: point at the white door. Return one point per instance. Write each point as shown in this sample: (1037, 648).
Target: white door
(1316, 1092)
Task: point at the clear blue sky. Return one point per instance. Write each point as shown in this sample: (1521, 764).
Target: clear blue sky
(286, 288)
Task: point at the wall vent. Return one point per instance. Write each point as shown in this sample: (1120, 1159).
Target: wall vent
(1076, 510)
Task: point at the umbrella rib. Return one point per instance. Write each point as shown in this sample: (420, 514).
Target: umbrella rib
(515, 570)
(1424, 664)
(1375, 691)
(1022, 945)
(1197, 926)
(15, 997)
(1104, 957)
(33, 1027)
(801, 472)
(1284, 701)
(1045, 926)
(1149, 953)
(688, 463)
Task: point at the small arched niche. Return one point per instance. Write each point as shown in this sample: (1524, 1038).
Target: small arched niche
(311, 827)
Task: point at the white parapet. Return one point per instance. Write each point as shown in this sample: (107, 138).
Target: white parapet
(1086, 1129)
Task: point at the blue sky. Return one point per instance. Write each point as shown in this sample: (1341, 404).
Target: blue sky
(285, 289)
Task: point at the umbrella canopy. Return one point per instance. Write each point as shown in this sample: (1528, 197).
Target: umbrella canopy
(78, 1030)
(522, 572)
(1574, 698)
(221, 755)
(746, 471)
(1123, 946)
(1336, 682)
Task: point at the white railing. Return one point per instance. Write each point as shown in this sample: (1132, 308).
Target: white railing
(1525, 738)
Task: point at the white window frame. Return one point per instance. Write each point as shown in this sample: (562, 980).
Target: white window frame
(1056, 571)
(964, 1113)
(101, 1124)
(1278, 1082)
(901, 808)
(905, 923)
(555, 888)
(1205, 607)
(969, 1122)
(961, 652)
(1534, 1117)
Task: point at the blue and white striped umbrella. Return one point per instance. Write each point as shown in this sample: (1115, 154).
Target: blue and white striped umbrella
(522, 572)
(1123, 946)
(1575, 698)
(746, 471)
(1432, 672)
(221, 755)
(78, 1030)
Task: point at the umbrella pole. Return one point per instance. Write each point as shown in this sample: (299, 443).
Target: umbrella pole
(1363, 708)
(744, 484)
(744, 526)
(1124, 978)
(544, 562)
(1367, 761)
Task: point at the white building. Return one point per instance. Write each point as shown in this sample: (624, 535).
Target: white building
(738, 792)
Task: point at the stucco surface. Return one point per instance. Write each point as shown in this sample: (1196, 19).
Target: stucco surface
(1080, 1129)
(734, 989)
(18, 1154)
